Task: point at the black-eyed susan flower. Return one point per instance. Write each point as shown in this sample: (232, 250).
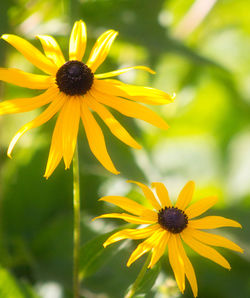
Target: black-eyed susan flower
(74, 90)
(169, 226)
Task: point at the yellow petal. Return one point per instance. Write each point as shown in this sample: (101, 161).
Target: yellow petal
(45, 116)
(21, 105)
(121, 71)
(24, 79)
(115, 127)
(185, 196)
(96, 139)
(70, 125)
(204, 250)
(101, 49)
(130, 109)
(125, 203)
(127, 217)
(162, 194)
(215, 240)
(159, 248)
(189, 270)
(131, 234)
(31, 53)
(200, 207)
(52, 49)
(213, 222)
(148, 194)
(176, 262)
(137, 93)
(55, 153)
(78, 40)
(144, 247)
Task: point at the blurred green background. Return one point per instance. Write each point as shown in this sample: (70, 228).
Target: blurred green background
(200, 50)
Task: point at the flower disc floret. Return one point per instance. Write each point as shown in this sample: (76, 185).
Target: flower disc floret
(172, 219)
(74, 78)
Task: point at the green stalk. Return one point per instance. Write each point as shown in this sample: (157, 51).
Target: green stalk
(139, 278)
(76, 236)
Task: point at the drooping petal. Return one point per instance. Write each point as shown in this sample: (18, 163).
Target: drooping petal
(204, 250)
(31, 53)
(200, 207)
(55, 153)
(52, 49)
(137, 93)
(24, 79)
(21, 105)
(121, 71)
(45, 116)
(101, 49)
(115, 127)
(125, 203)
(215, 240)
(144, 247)
(148, 194)
(213, 222)
(185, 196)
(70, 126)
(96, 139)
(176, 262)
(131, 234)
(159, 248)
(189, 270)
(128, 218)
(162, 194)
(78, 40)
(130, 109)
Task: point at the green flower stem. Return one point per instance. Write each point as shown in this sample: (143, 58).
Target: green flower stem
(139, 278)
(76, 236)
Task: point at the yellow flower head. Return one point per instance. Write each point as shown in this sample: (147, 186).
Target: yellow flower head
(169, 226)
(73, 89)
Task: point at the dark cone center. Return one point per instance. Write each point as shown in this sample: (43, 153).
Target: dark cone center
(74, 78)
(172, 219)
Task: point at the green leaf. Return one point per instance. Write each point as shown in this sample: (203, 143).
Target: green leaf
(148, 280)
(11, 288)
(93, 255)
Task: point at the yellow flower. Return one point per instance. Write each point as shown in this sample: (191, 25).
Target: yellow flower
(74, 89)
(169, 226)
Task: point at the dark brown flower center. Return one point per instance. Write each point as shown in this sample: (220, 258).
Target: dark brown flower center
(172, 219)
(74, 78)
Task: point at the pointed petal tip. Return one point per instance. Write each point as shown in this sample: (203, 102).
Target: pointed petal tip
(114, 171)
(131, 181)
(166, 126)
(4, 36)
(128, 264)
(173, 96)
(46, 175)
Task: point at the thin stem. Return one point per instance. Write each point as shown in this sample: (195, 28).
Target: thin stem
(139, 278)
(76, 236)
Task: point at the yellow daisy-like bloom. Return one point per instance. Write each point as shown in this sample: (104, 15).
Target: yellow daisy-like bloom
(169, 226)
(73, 89)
